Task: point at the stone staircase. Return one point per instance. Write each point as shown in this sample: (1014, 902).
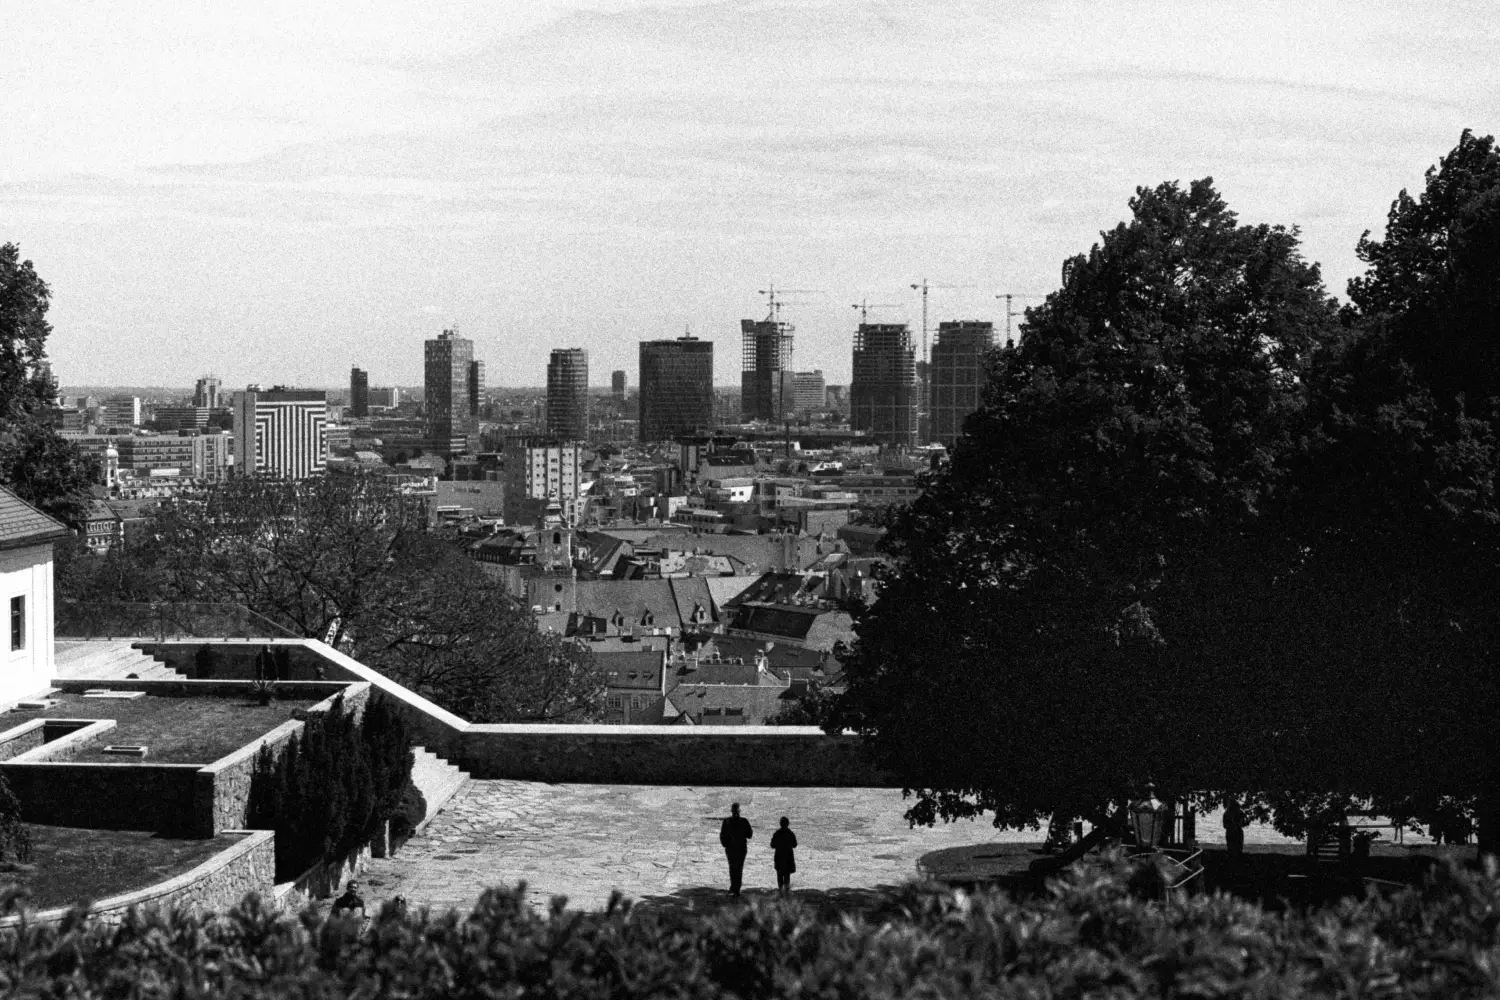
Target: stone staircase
(108, 659)
(437, 780)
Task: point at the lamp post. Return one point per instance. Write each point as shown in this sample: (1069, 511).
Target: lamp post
(1150, 819)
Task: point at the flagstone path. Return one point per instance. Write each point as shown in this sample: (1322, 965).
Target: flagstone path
(661, 843)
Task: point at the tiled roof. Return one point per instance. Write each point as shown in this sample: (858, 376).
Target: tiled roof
(22, 524)
(727, 704)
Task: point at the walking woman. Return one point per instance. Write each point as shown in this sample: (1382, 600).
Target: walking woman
(784, 842)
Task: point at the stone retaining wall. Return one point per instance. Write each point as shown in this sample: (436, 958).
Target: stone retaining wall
(780, 756)
(214, 886)
(232, 660)
(78, 736)
(771, 756)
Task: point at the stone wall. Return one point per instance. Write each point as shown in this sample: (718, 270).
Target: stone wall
(135, 796)
(782, 756)
(23, 738)
(662, 755)
(65, 739)
(225, 788)
(212, 887)
(232, 660)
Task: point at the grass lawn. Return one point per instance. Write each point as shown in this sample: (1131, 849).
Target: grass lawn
(71, 864)
(174, 730)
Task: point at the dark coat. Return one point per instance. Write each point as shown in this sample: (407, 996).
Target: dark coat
(733, 834)
(784, 842)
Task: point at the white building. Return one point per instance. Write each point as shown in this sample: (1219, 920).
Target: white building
(122, 411)
(539, 472)
(26, 537)
(280, 432)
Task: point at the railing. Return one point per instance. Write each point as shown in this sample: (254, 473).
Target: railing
(122, 620)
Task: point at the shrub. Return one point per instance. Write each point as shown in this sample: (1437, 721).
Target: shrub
(332, 786)
(1091, 936)
(15, 841)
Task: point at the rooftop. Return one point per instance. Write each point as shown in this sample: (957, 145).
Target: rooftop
(22, 524)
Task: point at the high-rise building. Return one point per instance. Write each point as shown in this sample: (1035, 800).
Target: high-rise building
(538, 471)
(206, 393)
(568, 394)
(677, 387)
(359, 393)
(765, 362)
(883, 393)
(452, 426)
(809, 392)
(476, 390)
(122, 411)
(280, 432)
(617, 384)
(957, 376)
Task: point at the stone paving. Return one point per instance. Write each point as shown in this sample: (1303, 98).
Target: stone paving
(661, 843)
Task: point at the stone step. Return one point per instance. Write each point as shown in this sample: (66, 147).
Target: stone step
(437, 780)
(103, 659)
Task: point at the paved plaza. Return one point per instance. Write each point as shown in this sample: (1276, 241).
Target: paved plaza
(662, 843)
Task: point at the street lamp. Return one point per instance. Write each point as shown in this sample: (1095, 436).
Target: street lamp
(1150, 819)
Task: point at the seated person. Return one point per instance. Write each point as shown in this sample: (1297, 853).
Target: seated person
(349, 901)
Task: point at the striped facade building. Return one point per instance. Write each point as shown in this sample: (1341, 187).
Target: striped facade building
(281, 432)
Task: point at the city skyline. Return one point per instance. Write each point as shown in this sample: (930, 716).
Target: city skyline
(244, 182)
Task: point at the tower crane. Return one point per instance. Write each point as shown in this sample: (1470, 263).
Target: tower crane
(924, 286)
(1008, 296)
(864, 306)
(775, 300)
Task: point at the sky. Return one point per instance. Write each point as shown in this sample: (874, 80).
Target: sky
(275, 192)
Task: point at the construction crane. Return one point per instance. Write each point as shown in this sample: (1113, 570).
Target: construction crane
(774, 297)
(924, 286)
(1008, 296)
(864, 307)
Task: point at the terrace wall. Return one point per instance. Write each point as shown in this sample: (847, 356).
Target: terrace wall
(214, 886)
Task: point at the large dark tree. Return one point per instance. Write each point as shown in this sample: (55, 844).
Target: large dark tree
(1205, 534)
(1151, 409)
(35, 461)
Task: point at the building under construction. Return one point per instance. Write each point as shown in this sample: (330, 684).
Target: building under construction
(883, 394)
(766, 391)
(957, 376)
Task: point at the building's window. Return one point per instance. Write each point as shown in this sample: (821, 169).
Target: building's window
(18, 622)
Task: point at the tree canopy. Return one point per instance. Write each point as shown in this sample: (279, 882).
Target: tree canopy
(345, 558)
(1146, 560)
(35, 461)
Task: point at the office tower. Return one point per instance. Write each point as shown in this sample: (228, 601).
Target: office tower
(359, 393)
(182, 418)
(677, 387)
(537, 471)
(452, 427)
(765, 357)
(568, 394)
(122, 411)
(617, 384)
(195, 456)
(280, 432)
(809, 392)
(476, 390)
(958, 376)
(883, 393)
(385, 399)
(206, 393)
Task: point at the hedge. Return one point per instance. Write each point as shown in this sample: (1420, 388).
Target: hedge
(1096, 934)
(329, 790)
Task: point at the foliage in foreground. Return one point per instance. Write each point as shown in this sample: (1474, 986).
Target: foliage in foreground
(1092, 936)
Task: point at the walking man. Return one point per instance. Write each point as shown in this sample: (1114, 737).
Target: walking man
(735, 834)
(1234, 830)
(784, 843)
